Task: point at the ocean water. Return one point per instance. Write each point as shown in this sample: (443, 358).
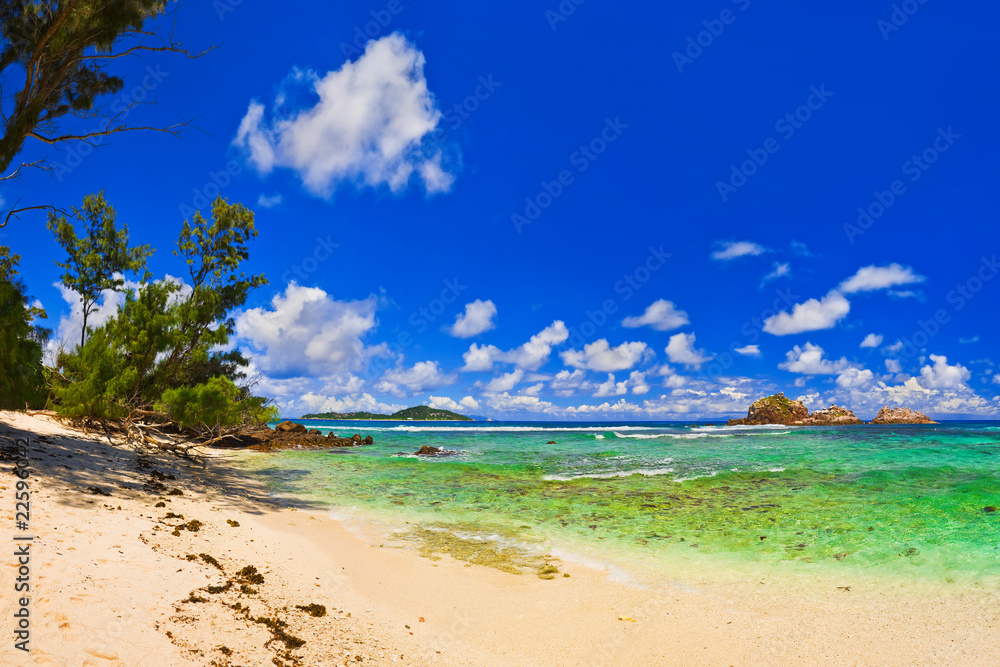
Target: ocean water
(896, 502)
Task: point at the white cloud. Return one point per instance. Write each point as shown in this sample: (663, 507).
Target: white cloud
(808, 360)
(996, 379)
(734, 393)
(566, 383)
(733, 249)
(445, 403)
(662, 315)
(354, 403)
(481, 358)
(367, 126)
(895, 347)
(681, 350)
(270, 201)
(879, 277)
(505, 382)
(307, 333)
(943, 376)
(423, 376)
(506, 403)
(855, 378)
(637, 381)
(600, 356)
(893, 366)
(530, 356)
(611, 388)
(748, 351)
(781, 269)
(477, 318)
(872, 340)
(812, 315)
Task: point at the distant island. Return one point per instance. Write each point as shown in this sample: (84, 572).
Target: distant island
(420, 413)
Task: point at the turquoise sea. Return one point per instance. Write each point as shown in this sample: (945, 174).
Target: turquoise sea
(904, 502)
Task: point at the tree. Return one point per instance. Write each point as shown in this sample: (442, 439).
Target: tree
(98, 260)
(22, 382)
(61, 50)
(166, 348)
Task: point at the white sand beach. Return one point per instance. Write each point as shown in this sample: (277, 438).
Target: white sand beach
(112, 584)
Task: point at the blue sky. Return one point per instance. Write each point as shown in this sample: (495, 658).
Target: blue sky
(579, 211)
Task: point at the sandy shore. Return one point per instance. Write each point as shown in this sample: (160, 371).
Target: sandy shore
(114, 581)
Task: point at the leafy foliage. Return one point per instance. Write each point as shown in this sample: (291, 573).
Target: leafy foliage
(99, 258)
(166, 347)
(62, 48)
(216, 404)
(22, 380)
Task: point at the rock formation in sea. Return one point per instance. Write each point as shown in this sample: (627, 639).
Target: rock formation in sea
(831, 416)
(889, 415)
(776, 409)
(290, 435)
(779, 409)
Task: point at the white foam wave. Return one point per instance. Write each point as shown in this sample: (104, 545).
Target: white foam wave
(645, 472)
(678, 436)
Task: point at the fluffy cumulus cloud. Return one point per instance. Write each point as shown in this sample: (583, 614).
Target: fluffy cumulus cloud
(943, 376)
(505, 382)
(421, 377)
(893, 366)
(809, 360)
(477, 318)
(872, 340)
(662, 315)
(566, 383)
(305, 332)
(813, 315)
(600, 356)
(530, 356)
(872, 278)
(855, 378)
(445, 403)
(367, 126)
(748, 350)
(611, 388)
(733, 249)
(681, 350)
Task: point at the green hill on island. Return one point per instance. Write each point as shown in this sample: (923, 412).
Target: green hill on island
(418, 413)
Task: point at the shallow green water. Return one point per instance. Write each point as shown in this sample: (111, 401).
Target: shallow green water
(896, 501)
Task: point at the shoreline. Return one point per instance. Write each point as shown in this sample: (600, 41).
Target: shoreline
(111, 583)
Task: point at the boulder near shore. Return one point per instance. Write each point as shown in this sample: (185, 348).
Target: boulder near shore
(290, 435)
